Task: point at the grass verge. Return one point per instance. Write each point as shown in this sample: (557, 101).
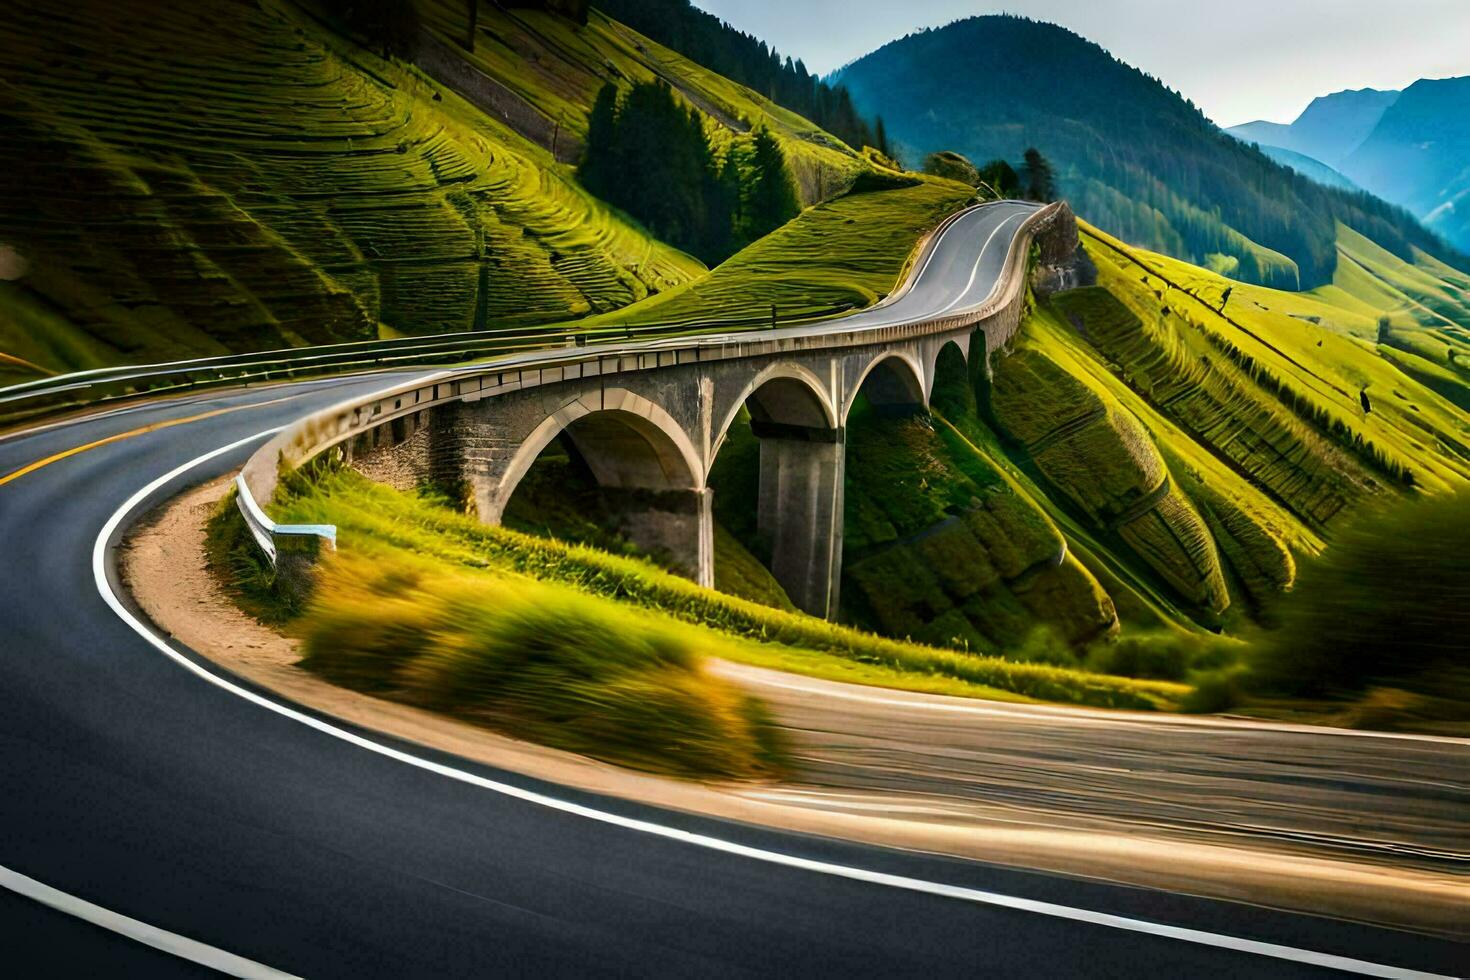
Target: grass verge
(391, 526)
(539, 661)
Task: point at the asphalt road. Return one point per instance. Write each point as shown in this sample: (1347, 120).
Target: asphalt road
(128, 781)
(1399, 801)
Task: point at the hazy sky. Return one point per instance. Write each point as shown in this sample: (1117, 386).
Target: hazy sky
(1237, 59)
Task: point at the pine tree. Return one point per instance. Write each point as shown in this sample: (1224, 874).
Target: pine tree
(722, 208)
(599, 160)
(1040, 181)
(772, 197)
(1001, 178)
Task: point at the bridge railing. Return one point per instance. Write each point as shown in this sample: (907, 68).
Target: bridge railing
(317, 433)
(103, 385)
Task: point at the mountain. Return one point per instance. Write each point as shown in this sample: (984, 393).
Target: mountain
(1263, 132)
(1332, 126)
(1410, 147)
(1132, 156)
(1419, 155)
(1309, 167)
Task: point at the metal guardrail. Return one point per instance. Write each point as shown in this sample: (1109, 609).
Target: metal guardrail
(101, 385)
(268, 534)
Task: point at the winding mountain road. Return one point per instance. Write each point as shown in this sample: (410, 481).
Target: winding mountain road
(150, 803)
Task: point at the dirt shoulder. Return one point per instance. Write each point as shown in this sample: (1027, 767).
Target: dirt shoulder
(1257, 813)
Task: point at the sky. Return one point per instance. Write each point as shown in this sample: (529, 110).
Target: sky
(1238, 60)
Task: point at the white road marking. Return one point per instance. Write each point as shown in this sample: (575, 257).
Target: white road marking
(706, 841)
(168, 942)
(976, 270)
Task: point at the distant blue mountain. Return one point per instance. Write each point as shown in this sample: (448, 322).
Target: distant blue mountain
(1410, 147)
(1308, 167)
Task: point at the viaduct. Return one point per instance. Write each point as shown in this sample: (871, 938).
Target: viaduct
(649, 418)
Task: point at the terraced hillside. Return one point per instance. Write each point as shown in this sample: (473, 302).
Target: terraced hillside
(542, 72)
(1190, 438)
(191, 179)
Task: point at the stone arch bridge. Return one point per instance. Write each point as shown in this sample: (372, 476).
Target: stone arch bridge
(649, 418)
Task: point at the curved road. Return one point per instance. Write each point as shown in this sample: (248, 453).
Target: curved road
(220, 825)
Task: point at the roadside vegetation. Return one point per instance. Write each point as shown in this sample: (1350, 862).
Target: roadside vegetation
(394, 528)
(540, 661)
(1377, 626)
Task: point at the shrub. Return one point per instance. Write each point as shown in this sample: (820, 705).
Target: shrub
(1387, 604)
(537, 661)
(952, 165)
(1044, 645)
(387, 523)
(1170, 656)
(1216, 691)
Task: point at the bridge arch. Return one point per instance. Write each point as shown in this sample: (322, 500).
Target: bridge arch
(788, 499)
(892, 379)
(628, 441)
(648, 471)
(950, 386)
(781, 394)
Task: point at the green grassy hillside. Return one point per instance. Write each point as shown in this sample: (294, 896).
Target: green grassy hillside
(557, 66)
(1188, 457)
(850, 251)
(189, 181)
(184, 181)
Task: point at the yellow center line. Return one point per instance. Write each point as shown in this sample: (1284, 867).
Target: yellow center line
(141, 430)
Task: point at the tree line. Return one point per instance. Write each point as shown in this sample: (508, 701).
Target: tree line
(649, 154)
(1036, 180)
(704, 38)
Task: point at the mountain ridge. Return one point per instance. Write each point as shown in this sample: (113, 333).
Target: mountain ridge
(1138, 158)
(1409, 146)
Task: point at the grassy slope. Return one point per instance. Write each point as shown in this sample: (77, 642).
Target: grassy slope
(1318, 351)
(848, 251)
(558, 66)
(1254, 418)
(389, 526)
(189, 180)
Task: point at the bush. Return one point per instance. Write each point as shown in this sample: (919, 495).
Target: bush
(1044, 645)
(1169, 656)
(952, 165)
(374, 517)
(539, 662)
(1214, 692)
(1387, 604)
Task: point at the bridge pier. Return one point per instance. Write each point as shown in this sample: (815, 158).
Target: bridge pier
(675, 524)
(799, 511)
